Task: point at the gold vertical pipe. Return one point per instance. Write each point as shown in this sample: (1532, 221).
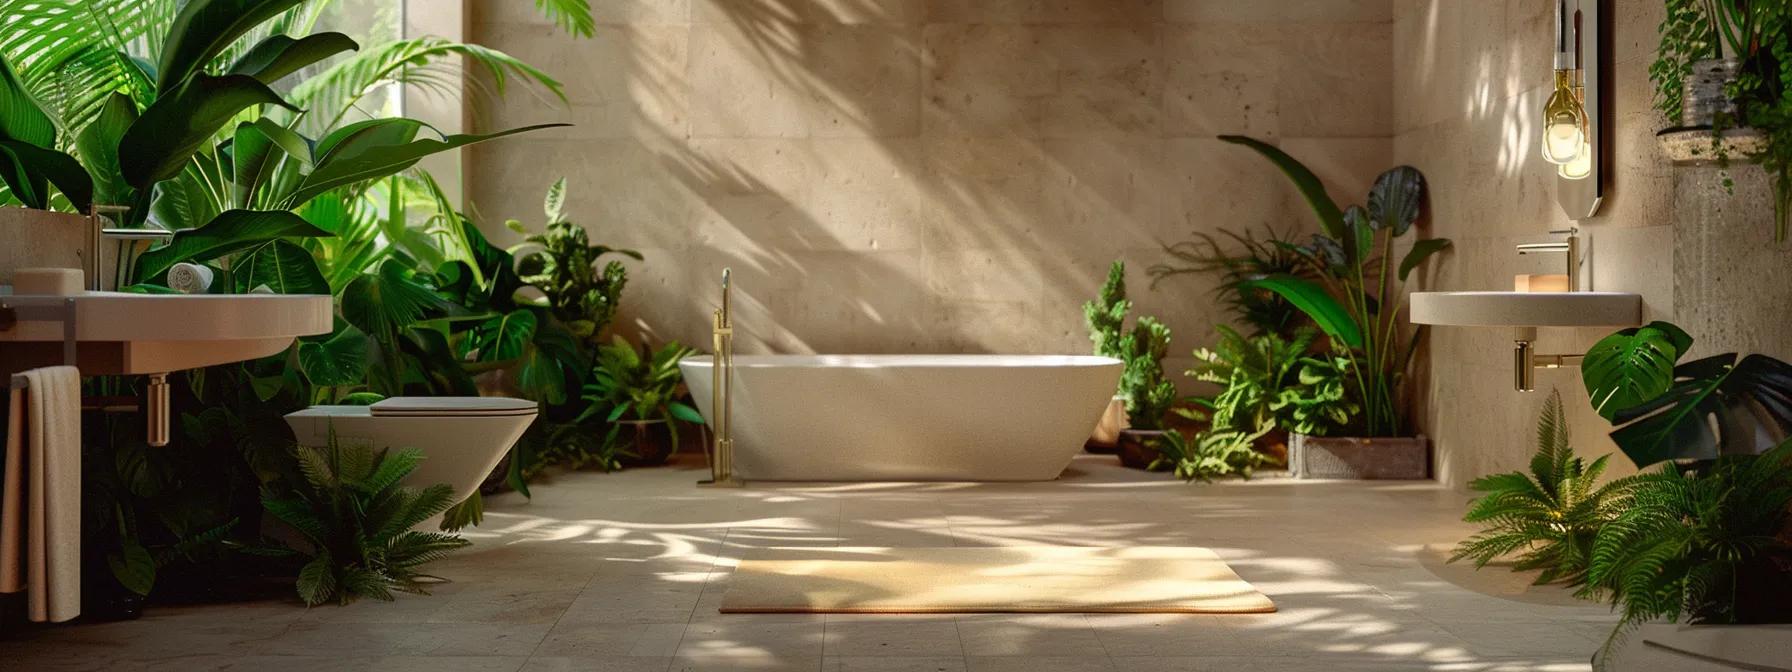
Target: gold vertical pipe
(721, 465)
(1524, 373)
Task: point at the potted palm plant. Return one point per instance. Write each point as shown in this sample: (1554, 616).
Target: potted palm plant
(639, 393)
(1106, 317)
(1356, 299)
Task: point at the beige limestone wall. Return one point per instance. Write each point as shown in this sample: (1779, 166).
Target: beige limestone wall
(929, 175)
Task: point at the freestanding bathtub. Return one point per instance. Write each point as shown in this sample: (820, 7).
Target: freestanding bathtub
(909, 417)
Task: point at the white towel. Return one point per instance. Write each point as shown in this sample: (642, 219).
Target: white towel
(40, 512)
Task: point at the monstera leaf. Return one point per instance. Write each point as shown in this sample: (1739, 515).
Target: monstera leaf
(341, 360)
(1714, 406)
(1632, 366)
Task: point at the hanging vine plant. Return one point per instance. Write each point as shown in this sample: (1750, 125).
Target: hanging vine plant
(1747, 46)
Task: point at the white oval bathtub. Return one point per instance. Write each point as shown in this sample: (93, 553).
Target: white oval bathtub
(909, 417)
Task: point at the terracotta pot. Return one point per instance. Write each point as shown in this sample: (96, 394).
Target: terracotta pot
(1138, 447)
(1405, 458)
(644, 443)
(1106, 437)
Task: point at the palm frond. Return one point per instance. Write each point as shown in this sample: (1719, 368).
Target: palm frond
(332, 95)
(572, 16)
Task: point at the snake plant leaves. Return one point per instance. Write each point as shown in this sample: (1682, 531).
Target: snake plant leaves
(282, 266)
(230, 231)
(1715, 406)
(280, 55)
(98, 146)
(1395, 199)
(1421, 251)
(203, 29)
(1331, 218)
(28, 170)
(174, 127)
(341, 360)
(365, 157)
(1313, 300)
(1632, 366)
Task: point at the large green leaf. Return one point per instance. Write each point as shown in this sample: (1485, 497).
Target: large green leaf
(230, 231)
(20, 117)
(573, 16)
(343, 165)
(1331, 217)
(279, 265)
(280, 55)
(133, 567)
(98, 146)
(387, 301)
(36, 165)
(257, 149)
(177, 124)
(341, 360)
(506, 336)
(1421, 251)
(1632, 366)
(1715, 406)
(203, 29)
(1395, 199)
(1312, 299)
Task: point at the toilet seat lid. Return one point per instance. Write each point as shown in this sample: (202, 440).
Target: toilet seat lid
(451, 406)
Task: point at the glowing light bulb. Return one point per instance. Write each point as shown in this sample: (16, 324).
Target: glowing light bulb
(1563, 119)
(1581, 166)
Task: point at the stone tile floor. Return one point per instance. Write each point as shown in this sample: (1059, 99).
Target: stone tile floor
(623, 573)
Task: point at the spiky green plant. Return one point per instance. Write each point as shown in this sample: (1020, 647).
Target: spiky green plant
(1550, 516)
(1691, 539)
(357, 522)
(1209, 455)
(1147, 392)
(1106, 316)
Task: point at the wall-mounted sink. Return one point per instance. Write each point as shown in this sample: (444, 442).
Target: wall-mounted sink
(1527, 309)
(124, 333)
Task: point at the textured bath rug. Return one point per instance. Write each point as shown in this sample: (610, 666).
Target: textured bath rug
(848, 580)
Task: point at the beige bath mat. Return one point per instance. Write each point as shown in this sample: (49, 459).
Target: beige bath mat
(989, 579)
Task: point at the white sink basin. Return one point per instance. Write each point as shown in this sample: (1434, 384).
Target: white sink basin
(1527, 309)
(123, 333)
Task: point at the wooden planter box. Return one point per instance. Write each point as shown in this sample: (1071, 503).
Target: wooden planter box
(1344, 457)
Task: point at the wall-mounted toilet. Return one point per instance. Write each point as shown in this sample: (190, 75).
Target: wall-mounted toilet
(462, 438)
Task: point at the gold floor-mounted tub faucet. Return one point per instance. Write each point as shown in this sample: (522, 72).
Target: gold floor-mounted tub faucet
(721, 406)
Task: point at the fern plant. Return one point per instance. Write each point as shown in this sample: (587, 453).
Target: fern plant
(357, 523)
(1693, 542)
(1549, 517)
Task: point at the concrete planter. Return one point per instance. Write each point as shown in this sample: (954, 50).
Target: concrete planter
(1106, 437)
(1396, 458)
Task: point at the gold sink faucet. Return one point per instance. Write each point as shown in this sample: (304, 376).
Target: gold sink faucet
(1569, 247)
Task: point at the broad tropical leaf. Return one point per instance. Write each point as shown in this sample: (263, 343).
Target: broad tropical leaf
(1632, 366)
(28, 168)
(339, 166)
(1421, 250)
(427, 63)
(387, 301)
(173, 128)
(20, 117)
(1395, 199)
(203, 29)
(281, 266)
(280, 55)
(1312, 299)
(506, 336)
(230, 231)
(98, 146)
(1331, 217)
(1716, 406)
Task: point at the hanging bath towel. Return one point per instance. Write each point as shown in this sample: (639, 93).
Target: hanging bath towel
(40, 503)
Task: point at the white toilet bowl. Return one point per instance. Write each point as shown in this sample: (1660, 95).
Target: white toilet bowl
(462, 438)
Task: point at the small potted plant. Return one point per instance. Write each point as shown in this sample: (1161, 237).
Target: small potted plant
(639, 394)
(1146, 391)
(1271, 385)
(1106, 317)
